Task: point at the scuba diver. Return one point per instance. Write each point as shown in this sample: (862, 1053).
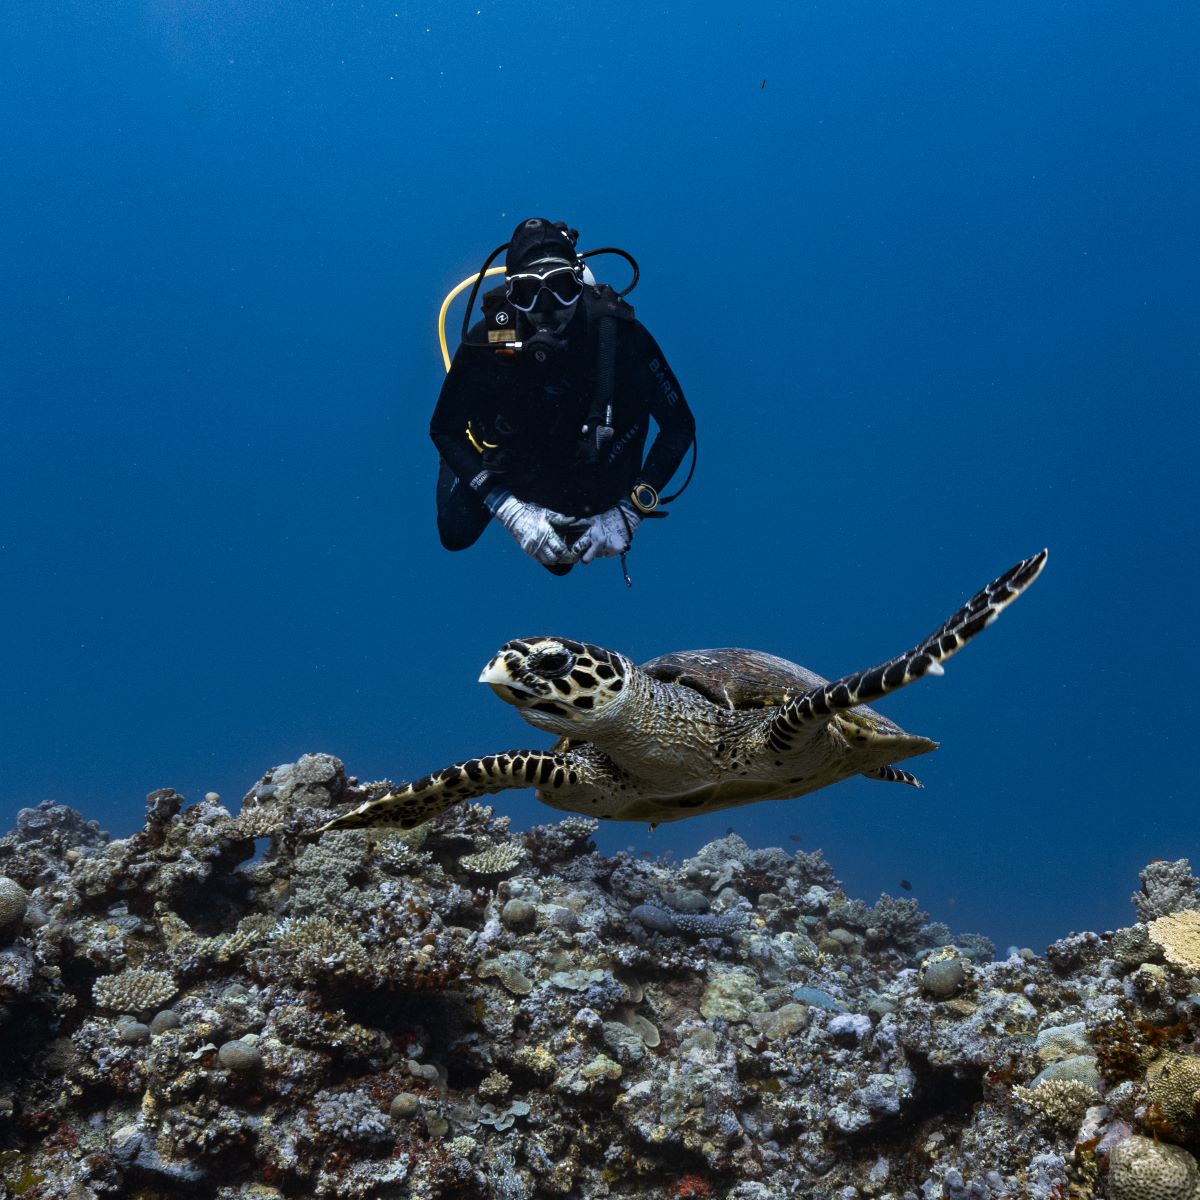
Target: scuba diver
(545, 411)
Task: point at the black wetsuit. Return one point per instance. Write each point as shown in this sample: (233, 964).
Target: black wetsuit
(526, 422)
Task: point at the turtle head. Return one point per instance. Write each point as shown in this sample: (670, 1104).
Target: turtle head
(558, 684)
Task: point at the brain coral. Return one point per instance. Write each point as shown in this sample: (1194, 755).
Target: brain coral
(13, 900)
(1143, 1169)
(134, 991)
(1173, 1084)
(1178, 934)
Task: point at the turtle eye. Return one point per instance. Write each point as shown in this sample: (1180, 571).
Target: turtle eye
(552, 662)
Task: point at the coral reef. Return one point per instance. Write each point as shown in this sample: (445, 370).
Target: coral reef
(223, 1005)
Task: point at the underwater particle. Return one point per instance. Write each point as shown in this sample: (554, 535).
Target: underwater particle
(495, 860)
(134, 991)
(1140, 1168)
(1179, 936)
(14, 900)
(240, 1055)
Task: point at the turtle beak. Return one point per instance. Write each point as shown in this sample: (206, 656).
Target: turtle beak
(496, 672)
(498, 677)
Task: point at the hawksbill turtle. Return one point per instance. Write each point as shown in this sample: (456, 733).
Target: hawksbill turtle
(688, 732)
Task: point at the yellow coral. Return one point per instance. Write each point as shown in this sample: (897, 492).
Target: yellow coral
(1178, 934)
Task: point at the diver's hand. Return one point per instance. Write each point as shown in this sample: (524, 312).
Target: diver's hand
(608, 533)
(534, 528)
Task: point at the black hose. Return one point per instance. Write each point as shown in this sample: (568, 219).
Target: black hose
(475, 290)
(626, 256)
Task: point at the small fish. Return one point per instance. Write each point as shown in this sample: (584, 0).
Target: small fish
(764, 84)
(795, 837)
(906, 885)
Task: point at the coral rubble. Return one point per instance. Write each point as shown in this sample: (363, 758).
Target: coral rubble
(224, 1005)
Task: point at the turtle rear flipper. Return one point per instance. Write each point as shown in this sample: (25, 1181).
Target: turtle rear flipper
(818, 705)
(415, 803)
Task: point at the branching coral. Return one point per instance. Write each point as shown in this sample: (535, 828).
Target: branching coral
(134, 991)
(493, 860)
(1061, 1102)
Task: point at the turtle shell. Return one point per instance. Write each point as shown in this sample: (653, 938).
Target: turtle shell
(733, 677)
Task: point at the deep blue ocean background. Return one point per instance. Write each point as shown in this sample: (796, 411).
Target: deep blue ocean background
(929, 275)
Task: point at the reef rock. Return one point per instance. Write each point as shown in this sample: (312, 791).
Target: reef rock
(225, 1005)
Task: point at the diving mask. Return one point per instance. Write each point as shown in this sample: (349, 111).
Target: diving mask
(564, 283)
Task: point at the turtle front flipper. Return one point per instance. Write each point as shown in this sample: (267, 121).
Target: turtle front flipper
(894, 775)
(416, 803)
(819, 704)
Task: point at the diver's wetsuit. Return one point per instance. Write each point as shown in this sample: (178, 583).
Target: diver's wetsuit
(527, 419)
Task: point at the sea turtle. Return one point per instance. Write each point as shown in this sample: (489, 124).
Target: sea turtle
(688, 732)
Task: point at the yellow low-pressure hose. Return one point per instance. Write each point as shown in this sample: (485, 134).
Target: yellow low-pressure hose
(466, 283)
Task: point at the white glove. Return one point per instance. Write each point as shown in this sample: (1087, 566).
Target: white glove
(608, 533)
(535, 529)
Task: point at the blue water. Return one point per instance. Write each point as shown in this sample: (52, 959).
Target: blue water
(928, 274)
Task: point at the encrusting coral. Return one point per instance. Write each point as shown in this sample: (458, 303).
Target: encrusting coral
(468, 1012)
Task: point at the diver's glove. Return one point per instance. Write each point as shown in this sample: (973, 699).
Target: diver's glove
(609, 533)
(534, 528)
